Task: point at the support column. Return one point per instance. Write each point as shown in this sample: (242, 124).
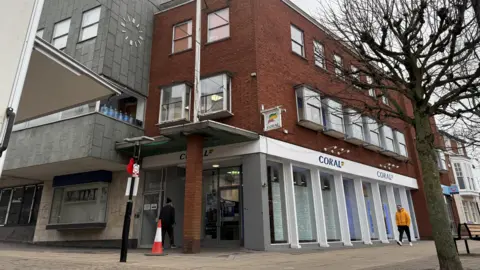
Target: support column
(392, 206)
(342, 210)
(379, 216)
(290, 203)
(405, 204)
(192, 219)
(319, 211)
(362, 212)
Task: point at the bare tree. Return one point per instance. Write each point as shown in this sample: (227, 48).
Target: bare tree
(423, 57)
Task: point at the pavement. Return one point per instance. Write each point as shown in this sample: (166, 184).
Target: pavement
(421, 256)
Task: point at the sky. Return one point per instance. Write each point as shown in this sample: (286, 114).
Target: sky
(309, 6)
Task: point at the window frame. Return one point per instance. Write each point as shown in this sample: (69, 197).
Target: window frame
(460, 149)
(355, 76)
(184, 116)
(338, 66)
(227, 94)
(319, 54)
(441, 160)
(399, 142)
(40, 33)
(292, 40)
(384, 138)
(459, 174)
(209, 29)
(368, 122)
(385, 100)
(301, 97)
(350, 122)
(189, 35)
(327, 105)
(31, 207)
(54, 38)
(371, 91)
(83, 27)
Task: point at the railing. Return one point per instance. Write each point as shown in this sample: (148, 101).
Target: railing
(75, 113)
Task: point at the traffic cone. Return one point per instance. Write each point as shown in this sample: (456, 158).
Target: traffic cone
(157, 248)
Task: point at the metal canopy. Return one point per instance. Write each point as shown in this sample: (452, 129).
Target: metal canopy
(174, 139)
(56, 82)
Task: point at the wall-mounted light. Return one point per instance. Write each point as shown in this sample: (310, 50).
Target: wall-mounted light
(389, 166)
(330, 149)
(215, 165)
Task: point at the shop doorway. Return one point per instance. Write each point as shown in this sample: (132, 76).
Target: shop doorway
(153, 200)
(222, 207)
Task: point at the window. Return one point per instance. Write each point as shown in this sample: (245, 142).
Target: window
(333, 115)
(371, 91)
(448, 144)
(19, 205)
(354, 124)
(330, 207)
(441, 161)
(182, 37)
(370, 207)
(352, 210)
(175, 103)
(276, 203)
(297, 41)
(60, 34)
(215, 96)
(218, 25)
(385, 100)
(126, 108)
(459, 174)
(372, 131)
(304, 205)
(319, 54)
(90, 21)
(309, 106)
(400, 144)
(387, 138)
(460, 149)
(40, 33)
(355, 75)
(86, 203)
(338, 62)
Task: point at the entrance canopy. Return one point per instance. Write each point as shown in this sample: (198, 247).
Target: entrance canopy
(174, 139)
(56, 82)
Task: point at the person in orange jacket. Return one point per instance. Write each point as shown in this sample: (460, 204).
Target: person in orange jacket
(403, 224)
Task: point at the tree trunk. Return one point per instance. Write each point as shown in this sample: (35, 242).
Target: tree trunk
(442, 234)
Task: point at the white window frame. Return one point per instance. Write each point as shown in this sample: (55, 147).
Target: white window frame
(305, 95)
(189, 35)
(319, 54)
(292, 40)
(332, 108)
(186, 94)
(227, 24)
(458, 171)
(54, 38)
(355, 75)
(90, 25)
(227, 94)
(338, 64)
(460, 148)
(354, 118)
(371, 126)
(371, 91)
(385, 100)
(385, 131)
(399, 143)
(448, 144)
(441, 160)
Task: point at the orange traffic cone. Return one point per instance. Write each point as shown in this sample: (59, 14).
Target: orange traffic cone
(157, 248)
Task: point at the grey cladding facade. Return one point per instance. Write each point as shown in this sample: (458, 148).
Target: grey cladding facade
(121, 50)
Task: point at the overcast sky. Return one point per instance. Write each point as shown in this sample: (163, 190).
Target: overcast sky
(310, 6)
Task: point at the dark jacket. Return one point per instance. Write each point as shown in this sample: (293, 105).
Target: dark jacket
(167, 215)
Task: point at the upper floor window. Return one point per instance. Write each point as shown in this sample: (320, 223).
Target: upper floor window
(355, 75)
(60, 34)
(338, 62)
(387, 138)
(298, 46)
(90, 21)
(448, 144)
(372, 131)
(40, 33)
(441, 160)
(400, 143)
(371, 91)
(319, 54)
(333, 115)
(385, 100)
(175, 103)
(216, 93)
(460, 149)
(459, 174)
(309, 107)
(182, 37)
(354, 124)
(219, 25)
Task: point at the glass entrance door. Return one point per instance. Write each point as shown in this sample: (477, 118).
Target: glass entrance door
(153, 199)
(222, 219)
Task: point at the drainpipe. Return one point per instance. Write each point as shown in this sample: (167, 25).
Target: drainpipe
(198, 42)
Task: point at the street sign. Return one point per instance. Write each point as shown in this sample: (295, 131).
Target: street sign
(135, 186)
(136, 170)
(454, 189)
(272, 119)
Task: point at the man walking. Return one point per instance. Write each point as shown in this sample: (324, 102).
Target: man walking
(403, 224)
(167, 216)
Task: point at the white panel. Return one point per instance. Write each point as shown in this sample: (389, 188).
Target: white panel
(342, 210)
(405, 204)
(290, 205)
(319, 211)
(393, 210)
(377, 201)
(362, 212)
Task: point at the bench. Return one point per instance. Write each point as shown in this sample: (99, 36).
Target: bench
(467, 232)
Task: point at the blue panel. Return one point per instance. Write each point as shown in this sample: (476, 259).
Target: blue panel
(82, 178)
